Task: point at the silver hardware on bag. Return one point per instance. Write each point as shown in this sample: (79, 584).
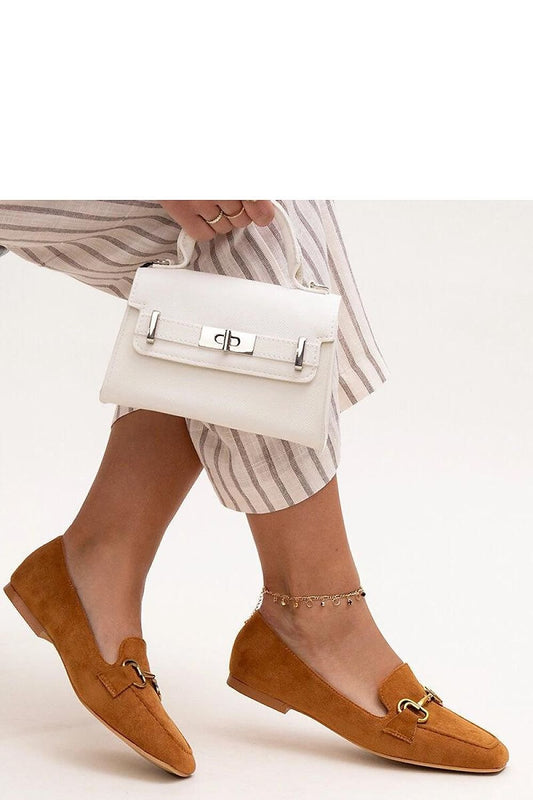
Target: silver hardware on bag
(319, 287)
(299, 360)
(150, 336)
(226, 339)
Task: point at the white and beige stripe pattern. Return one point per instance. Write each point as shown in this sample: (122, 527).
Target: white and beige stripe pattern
(103, 242)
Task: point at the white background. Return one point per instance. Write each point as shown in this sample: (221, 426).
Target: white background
(435, 477)
(324, 98)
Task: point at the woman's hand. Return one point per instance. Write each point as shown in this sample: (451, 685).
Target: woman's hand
(203, 219)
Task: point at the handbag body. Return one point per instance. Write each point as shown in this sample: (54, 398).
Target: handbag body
(255, 356)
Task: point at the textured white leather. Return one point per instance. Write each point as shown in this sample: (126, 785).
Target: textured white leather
(258, 393)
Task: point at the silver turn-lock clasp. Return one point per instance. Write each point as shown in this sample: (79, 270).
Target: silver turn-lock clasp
(226, 339)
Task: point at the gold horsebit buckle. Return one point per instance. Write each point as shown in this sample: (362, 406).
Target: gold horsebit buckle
(143, 676)
(418, 707)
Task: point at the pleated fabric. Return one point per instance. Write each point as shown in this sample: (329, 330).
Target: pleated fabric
(103, 242)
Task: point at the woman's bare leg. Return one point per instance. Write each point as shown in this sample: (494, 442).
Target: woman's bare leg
(304, 550)
(147, 469)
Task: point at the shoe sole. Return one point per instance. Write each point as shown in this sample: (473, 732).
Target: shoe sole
(279, 705)
(40, 631)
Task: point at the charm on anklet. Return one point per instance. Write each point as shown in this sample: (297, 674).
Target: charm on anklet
(296, 600)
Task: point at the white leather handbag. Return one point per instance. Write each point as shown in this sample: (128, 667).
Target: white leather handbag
(242, 353)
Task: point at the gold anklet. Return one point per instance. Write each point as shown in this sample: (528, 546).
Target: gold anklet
(307, 599)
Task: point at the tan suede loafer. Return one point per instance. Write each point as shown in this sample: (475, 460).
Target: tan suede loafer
(417, 729)
(124, 696)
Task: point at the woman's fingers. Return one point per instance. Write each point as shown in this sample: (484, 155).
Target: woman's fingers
(260, 211)
(210, 212)
(184, 212)
(235, 212)
(203, 219)
(193, 216)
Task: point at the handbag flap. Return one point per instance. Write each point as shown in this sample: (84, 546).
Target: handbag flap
(200, 313)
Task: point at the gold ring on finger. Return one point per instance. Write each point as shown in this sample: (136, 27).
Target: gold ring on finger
(216, 219)
(238, 214)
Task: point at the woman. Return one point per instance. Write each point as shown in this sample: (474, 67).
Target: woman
(83, 590)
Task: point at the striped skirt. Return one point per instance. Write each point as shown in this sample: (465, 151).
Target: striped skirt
(103, 242)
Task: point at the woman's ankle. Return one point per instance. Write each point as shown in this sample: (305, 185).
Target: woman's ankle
(321, 627)
(107, 566)
(110, 589)
(301, 605)
(317, 627)
(106, 553)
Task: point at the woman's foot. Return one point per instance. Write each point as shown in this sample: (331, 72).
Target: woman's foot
(109, 586)
(341, 643)
(124, 695)
(415, 725)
